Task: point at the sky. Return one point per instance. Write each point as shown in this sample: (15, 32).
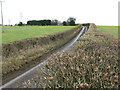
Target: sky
(100, 12)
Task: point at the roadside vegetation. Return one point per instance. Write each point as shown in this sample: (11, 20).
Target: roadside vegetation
(19, 54)
(92, 62)
(13, 33)
(113, 30)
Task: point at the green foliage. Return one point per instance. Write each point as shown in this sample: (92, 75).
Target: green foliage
(39, 22)
(20, 24)
(54, 22)
(64, 23)
(71, 21)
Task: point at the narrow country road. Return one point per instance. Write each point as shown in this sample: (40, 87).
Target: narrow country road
(30, 73)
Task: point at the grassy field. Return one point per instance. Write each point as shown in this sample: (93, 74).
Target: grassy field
(18, 33)
(113, 30)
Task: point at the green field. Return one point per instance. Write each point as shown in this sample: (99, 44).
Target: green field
(13, 33)
(113, 30)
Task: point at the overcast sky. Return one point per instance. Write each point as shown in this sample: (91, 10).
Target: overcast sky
(101, 12)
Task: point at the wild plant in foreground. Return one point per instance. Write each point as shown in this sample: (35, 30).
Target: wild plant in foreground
(90, 63)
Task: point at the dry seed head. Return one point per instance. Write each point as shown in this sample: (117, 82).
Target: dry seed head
(108, 67)
(61, 63)
(81, 65)
(83, 58)
(112, 73)
(91, 57)
(75, 85)
(29, 81)
(49, 78)
(92, 65)
(25, 86)
(78, 69)
(86, 56)
(115, 77)
(116, 81)
(96, 69)
(24, 83)
(67, 78)
(84, 85)
(72, 67)
(45, 78)
(64, 67)
(101, 61)
(106, 74)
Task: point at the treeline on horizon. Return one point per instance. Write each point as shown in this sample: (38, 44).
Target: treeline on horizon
(45, 22)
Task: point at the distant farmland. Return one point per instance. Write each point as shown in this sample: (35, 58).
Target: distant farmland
(22, 32)
(113, 30)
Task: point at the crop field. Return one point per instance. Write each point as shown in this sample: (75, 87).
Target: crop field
(92, 62)
(113, 30)
(13, 33)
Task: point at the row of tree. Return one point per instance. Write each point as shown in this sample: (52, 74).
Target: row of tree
(42, 22)
(70, 22)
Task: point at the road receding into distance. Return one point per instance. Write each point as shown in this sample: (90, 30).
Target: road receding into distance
(30, 73)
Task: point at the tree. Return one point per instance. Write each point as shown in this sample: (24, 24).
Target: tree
(64, 23)
(48, 22)
(54, 22)
(71, 21)
(20, 24)
(31, 22)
